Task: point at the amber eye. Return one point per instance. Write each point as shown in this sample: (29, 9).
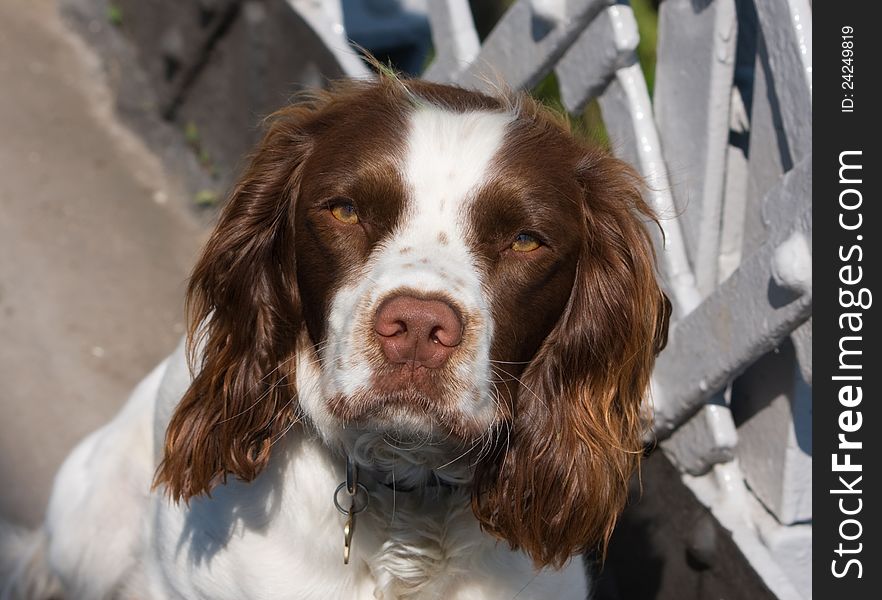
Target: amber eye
(525, 243)
(345, 212)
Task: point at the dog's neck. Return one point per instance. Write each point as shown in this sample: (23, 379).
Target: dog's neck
(408, 464)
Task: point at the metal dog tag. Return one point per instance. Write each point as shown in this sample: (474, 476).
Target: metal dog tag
(353, 487)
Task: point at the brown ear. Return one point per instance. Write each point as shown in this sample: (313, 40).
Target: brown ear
(244, 321)
(575, 437)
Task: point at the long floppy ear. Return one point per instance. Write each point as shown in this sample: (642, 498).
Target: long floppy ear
(244, 320)
(560, 479)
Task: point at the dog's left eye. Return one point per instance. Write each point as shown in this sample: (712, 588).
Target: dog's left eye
(344, 211)
(525, 243)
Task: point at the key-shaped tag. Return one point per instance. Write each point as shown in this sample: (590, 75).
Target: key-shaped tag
(348, 530)
(353, 487)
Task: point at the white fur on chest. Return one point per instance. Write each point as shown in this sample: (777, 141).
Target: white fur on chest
(281, 537)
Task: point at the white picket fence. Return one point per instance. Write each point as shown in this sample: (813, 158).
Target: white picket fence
(732, 391)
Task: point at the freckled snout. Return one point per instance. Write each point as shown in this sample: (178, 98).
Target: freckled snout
(417, 332)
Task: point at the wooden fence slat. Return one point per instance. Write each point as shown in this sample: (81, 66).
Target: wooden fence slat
(735, 202)
(455, 39)
(326, 20)
(694, 73)
(789, 56)
(607, 44)
(527, 41)
(802, 341)
(722, 337)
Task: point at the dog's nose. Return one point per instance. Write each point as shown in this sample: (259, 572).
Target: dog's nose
(417, 331)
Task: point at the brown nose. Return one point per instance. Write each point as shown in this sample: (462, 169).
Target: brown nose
(418, 332)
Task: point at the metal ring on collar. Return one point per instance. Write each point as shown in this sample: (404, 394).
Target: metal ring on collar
(352, 510)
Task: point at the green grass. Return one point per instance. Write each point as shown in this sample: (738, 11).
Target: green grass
(114, 15)
(206, 198)
(548, 92)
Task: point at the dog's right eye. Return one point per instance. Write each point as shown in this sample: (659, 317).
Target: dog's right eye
(344, 211)
(525, 243)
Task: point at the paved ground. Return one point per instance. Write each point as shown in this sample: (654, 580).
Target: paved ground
(95, 246)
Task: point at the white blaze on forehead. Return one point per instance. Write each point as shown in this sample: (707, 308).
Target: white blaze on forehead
(448, 155)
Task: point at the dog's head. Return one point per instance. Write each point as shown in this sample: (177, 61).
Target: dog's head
(431, 262)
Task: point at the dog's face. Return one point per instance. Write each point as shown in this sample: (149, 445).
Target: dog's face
(444, 264)
(433, 256)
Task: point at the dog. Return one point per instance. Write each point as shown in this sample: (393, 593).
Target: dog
(420, 340)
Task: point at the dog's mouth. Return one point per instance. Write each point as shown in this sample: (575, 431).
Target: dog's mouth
(412, 380)
(408, 401)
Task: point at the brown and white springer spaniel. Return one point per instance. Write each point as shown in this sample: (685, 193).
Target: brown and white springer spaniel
(444, 289)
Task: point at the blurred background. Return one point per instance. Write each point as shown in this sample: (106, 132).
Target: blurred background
(123, 123)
